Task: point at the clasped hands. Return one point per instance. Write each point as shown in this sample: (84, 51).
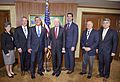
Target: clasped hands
(87, 49)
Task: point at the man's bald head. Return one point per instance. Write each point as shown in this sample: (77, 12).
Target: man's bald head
(89, 24)
(56, 22)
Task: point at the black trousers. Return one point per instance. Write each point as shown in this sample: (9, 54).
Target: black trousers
(104, 64)
(57, 61)
(25, 61)
(40, 61)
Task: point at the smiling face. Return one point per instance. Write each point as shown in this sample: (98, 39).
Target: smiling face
(56, 22)
(106, 24)
(8, 28)
(69, 17)
(89, 24)
(38, 21)
(24, 21)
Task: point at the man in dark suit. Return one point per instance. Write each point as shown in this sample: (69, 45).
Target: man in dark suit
(71, 32)
(21, 36)
(108, 41)
(37, 45)
(89, 42)
(57, 44)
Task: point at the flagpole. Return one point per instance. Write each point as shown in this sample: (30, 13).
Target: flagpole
(47, 23)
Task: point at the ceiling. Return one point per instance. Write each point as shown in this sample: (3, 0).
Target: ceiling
(60, 1)
(93, 3)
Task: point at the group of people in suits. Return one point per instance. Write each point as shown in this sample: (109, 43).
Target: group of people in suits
(33, 42)
(63, 40)
(104, 42)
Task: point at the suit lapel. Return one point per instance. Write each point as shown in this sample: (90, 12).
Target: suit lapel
(42, 29)
(107, 34)
(101, 31)
(28, 31)
(86, 34)
(59, 33)
(90, 33)
(34, 28)
(22, 32)
(53, 32)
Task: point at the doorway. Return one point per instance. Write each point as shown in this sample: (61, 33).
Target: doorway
(97, 20)
(4, 16)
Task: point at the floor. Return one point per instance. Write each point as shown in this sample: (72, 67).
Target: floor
(74, 77)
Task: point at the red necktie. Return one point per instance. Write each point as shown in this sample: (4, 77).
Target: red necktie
(56, 32)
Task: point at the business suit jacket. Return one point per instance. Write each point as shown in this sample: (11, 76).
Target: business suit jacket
(91, 42)
(58, 43)
(110, 42)
(71, 35)
(20, 39)
(34, 42)
(7, 42)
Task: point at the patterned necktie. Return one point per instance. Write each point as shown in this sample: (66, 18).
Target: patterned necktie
(25, 32)
(88, 33)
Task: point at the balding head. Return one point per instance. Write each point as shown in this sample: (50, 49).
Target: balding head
(89, 24)
(56, 22)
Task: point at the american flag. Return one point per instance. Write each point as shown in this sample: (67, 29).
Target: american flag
(47, 17)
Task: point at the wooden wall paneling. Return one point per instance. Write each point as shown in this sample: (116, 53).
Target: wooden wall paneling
(27, 8)
(4, 16)
(97, 19)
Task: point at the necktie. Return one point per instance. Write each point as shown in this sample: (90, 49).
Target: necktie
(25, 32)
(104, 33)
(68, 26)
(56, 32)
(38, 31)
(88, 33)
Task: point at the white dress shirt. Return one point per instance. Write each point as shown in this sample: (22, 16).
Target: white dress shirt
(88, 32)
(69, 24)
(57, 30)
(104, 33)
(38, 27)
(25, 30)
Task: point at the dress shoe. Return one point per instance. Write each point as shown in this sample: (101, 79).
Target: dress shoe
(10, 76)
(53, 73)
(41, 74)
(57, 75)
(14, 74)
(32, 76)
(81, 73)
(89, 77)
(69, 72)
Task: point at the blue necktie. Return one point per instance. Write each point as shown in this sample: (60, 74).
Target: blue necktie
(68, 26)
(38, 31)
